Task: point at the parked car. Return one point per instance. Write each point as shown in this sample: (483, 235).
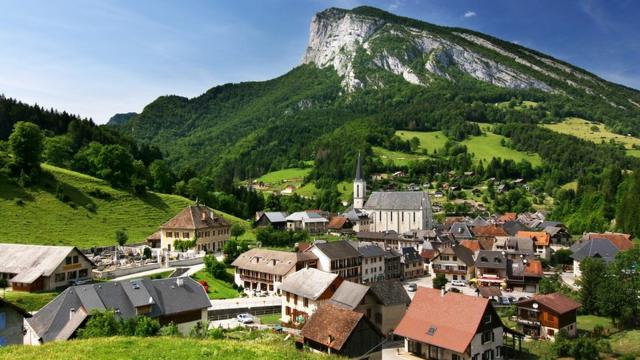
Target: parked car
(458, 283)
(524, 298)
(412, 287)
(503, 300)
(245, 318)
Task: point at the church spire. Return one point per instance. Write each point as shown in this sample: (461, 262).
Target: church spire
(359, 168)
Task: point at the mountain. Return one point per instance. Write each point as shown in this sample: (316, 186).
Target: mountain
(365, 74)
(118, 119)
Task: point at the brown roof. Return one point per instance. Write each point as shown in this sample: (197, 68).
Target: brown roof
(489, 291)
(540, 238)
(450, 220)
(555, 301)
(533, 268)
(489, 230)
(621, 241)
(507, 217)
(195, 217)
(302, 246)
(331, 325)
(154, 237)
(455, 318)
(267, 261)
(472, 245)
(337, 222)
(486, 243)
(428, 255)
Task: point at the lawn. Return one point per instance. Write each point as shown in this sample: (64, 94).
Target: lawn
(397, 157)
(218, 289)
(30, 301)
(521, 106)
(91, 217)
(160, 348)
(162, 275)
(271, 319)
(581, 128)
(626, 342)
(588, 322)
(288, 175)
(430, 141)
(345, 188)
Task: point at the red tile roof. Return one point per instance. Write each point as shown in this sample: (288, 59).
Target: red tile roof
(507, 217)
(621, 241)
(455, 317)
(555, 301)
(540, 238)
(331, 325)
(533, 268)
(489, 230)
(473, 245)
(428, 255)
(337, 222)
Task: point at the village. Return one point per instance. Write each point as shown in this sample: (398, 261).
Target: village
(381, 280)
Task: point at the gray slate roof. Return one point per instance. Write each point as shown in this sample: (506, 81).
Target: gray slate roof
(371, 251)
(522, 245)
(390, 292)
(460, 230)
(337, 249)
(276, 216)
(512, 227)
(349, 295)
(309, 283)
(410, 254)
(53, 321)
(398, 200)
(602, 248)
(491, 259)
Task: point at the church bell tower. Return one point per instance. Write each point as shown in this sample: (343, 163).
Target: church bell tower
(359, 187)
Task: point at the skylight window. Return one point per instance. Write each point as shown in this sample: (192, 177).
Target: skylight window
(432, 330)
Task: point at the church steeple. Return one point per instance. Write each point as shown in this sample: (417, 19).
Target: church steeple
(359, 186)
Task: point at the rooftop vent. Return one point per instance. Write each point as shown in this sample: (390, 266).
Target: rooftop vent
(432, 330)
(135, 285)
(179, 282)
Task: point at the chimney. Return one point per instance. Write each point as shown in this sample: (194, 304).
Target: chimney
(443, 291)
(179, 282)
(203, 215)
(72, 312)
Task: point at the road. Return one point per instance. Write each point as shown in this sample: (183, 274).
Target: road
(426, 281)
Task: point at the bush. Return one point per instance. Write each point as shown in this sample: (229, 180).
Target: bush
(217, 269)
(20, 202)
(146, 326)
(91, 207)
(101, 324)
(439, 281)
(169, 330)
(146, 253)
(216, 334)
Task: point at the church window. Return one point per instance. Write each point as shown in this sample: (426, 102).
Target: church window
(358, 191)
(403, 216)
(391, 215)
(414, 217)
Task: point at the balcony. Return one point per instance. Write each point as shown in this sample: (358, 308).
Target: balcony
(525, 321)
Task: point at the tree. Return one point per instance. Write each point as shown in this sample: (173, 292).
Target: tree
(237, 230)
(115, 164)
(101, 324)
(146, 326)
(58, 151)
(162, 178)
(233, 249)
(147, 252)
(184, 245)
(25, 143)
(440, 281)
(216, 268)
(121, 237)
(592, 270)
(4, 285)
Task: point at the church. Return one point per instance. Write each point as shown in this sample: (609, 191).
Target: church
(399, 211)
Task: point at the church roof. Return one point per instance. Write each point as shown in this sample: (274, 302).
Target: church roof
(359, 168)
(398, 200)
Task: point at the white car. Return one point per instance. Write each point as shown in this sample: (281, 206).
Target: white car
(245, 318)
(458, 283)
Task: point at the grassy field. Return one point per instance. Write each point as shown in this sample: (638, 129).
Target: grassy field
(218, 289)
(588, 322)
(430, 141)
(160, 348)
(271, 319)
(582, 128)
(289, 175)
(30, 301)
(397, 157)
(523, 105)
(626, 342)
(91, 217)
(484, 147)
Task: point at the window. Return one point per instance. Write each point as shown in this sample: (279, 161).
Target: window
(185, 235)
(59, 277)
(403, 216)
(487, 318)
(454, 258)
(455, 357)
(391, 214)
(75, 259)
(169, 234)
(475, 357)
(83, 273)
(295, 299)
(378, 318)
(305, 302)
(287, 310)
(486, 337)
(288, 297)
(414, 217)
(68, 260)
(72, 275)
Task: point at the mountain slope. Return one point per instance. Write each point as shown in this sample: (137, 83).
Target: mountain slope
(93, 211)
(365, 74)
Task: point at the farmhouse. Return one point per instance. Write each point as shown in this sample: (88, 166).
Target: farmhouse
(179, 300)
(594, 248)
(275, 219)
(441, 325)
(312, 222)
(11, 323)
(210, 230)
(544, 315)
(38, 267)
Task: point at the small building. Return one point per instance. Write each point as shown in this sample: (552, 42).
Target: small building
(195, 222)
(524, 273)
(339, 257)
(544, 315)
(263, 269)
(302, 292)
(340, 225)
(12, 319)
(42, 267)
(373, 257)
(400, 211)
(460, 231)
(336, 330)
(541, 242)
(559, 235)
(412, 263)
(455, 263)
(311, 222)
(359, 219)
(445, 325)
(181, 301)
(594, 248)
(393, 268)
(487, 234)
(275, 219)
(491, 268)
(514, 246)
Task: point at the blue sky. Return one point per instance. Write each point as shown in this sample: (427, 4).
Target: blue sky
(96, 57)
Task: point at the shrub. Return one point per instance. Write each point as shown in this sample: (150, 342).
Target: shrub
(101, 324)
(216, 333)
(169, 330)
(439, 281)
(146, 326)
(20, 202)
(91, 207)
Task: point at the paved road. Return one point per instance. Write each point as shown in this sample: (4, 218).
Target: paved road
(427, 281)
(242, 303)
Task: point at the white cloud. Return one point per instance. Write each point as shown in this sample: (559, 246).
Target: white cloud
(470, 14)
(395, 4)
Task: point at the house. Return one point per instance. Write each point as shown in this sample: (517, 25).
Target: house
(473, 245)
(455, 263)
(541, 242)
(339, 257)
(524, 273)
(339, 225)
(559, 235)
(621, 241)
(445, 325)
(373, 257)
(393, 268)
(302, 292)
(412, 263)
(336, 330)
(603, 249)
(514, 246)
(39, 267)
(506, 217)
(263, 269)
(460, 231)
(359, 219)
(311, 222)
(181, 301)
(487, 234)
(512, 227)
(391, 305)
(544, 315)
(288, 190)
(12, 318)
(491, 268)
(275, 219)
(199, 222)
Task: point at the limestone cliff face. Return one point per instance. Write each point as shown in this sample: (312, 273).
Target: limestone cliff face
(349, 41)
